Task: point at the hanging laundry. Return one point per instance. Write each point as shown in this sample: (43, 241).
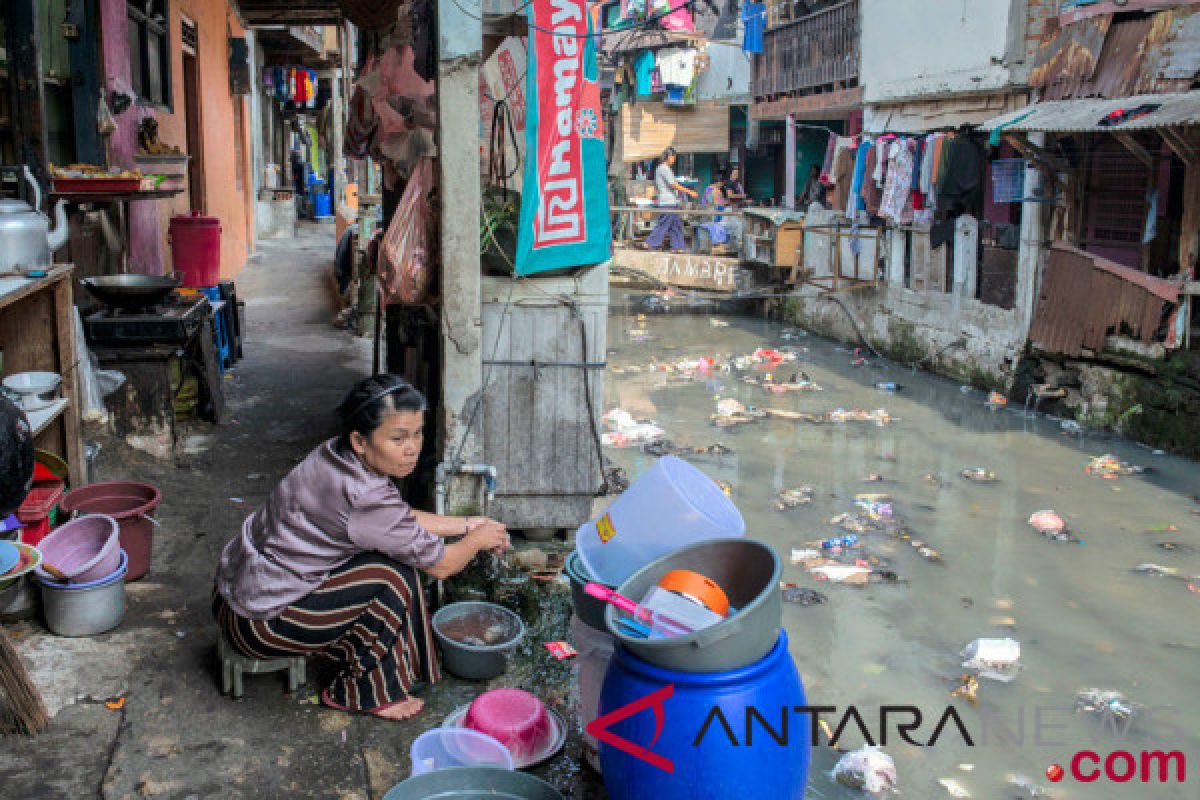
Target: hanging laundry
(754, 16)
(842, 176)
(854, 202)
(826, 176)
(872, 193)
(960, 184)
(677, 66)
(643, 68)
(899, 181)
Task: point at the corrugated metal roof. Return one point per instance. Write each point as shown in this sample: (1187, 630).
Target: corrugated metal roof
(1107, 57)
(1084, 298)
(1084, 115)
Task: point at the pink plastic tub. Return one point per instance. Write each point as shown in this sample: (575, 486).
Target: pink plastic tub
(84, 549)
(514, 717)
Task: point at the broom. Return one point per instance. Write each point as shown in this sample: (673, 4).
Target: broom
(24, 701)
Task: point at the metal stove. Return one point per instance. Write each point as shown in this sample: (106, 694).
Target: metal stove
(173, 322)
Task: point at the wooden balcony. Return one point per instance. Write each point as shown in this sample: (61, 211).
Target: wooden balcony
(817, 52)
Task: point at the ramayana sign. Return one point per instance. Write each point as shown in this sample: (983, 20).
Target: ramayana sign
(564, 204)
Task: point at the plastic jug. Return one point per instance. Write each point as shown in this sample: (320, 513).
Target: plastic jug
(671, 505)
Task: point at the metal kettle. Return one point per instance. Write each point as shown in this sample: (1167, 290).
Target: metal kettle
(26, 239)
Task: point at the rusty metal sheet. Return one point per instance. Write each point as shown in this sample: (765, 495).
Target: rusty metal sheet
(1084, 298)
(1120, 62)
(1172, 57)
(1067, 58)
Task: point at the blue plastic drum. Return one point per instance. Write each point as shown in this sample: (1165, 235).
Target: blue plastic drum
(704, 736)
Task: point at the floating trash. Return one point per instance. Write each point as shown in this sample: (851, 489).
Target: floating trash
(979, 475)
(996, 659)
(869, 770)
(1107, 703)
(801, 596)
(791, 498)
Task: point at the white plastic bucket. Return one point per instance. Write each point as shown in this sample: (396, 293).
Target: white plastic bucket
(442, 748)
(670, 506)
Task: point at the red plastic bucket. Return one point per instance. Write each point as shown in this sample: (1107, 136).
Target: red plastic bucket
(130, 504)
(196, 250)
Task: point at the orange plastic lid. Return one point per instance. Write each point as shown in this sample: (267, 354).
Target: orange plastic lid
(696, 587)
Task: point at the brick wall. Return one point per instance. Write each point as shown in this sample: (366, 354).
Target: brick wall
(1042, 16)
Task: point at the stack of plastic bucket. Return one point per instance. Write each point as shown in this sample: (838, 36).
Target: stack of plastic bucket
(680, 708)
(670, 505)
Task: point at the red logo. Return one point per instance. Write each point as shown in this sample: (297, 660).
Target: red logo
(599, 728)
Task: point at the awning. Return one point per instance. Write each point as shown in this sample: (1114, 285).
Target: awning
(1084, 115)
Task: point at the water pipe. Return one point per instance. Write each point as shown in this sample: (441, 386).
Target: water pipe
(446, 469)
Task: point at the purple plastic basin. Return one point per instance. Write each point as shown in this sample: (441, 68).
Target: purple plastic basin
(84, 549)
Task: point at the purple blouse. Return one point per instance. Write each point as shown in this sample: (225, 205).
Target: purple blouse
(327, 510)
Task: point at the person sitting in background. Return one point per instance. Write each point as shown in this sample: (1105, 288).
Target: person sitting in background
(329, 565)
(814, 190)
(735, 192)
(714, 195)
(669, 189)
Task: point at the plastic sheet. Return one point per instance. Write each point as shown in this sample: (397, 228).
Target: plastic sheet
(95, 384)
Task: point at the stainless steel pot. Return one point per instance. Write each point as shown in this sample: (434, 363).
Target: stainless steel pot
(26, 239)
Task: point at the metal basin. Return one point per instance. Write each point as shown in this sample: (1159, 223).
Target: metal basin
(131, 292)
(473, 783)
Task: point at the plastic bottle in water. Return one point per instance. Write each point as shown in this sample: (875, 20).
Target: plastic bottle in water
(888, 386)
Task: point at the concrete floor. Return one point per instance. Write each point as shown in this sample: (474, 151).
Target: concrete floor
(176, 736)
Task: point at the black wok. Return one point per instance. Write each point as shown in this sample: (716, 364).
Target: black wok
(131, 292)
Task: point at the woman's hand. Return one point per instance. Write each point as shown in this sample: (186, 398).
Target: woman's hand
(487, 534)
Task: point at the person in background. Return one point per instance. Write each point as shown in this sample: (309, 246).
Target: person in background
(735, 192)
(814, 190)
(331, 564)
(714, 195)
(669, 189)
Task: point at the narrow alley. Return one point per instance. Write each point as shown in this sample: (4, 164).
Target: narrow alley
(175, 735)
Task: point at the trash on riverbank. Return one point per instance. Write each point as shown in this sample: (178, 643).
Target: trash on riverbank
(1109, 467)
(979, 475)
(1106, 703)
(801, 596)
(995, 659)
(996, 400)
(790, 498)
(869, 770)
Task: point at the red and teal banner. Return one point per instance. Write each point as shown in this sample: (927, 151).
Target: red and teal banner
(564, 194)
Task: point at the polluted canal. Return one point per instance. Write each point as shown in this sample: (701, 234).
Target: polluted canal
(903, 518)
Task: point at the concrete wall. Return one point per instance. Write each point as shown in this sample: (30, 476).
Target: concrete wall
(148, 220)
(728, 75)
(945, 329)
(912, 48)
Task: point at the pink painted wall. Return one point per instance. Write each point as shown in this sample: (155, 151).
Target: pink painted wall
(226, 197)
(145, 251)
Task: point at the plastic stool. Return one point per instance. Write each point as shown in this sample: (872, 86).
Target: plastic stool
(234, 665)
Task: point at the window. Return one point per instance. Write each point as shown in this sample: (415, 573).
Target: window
(150, 51)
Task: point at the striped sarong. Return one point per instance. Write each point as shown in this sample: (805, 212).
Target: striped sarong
(370, 617)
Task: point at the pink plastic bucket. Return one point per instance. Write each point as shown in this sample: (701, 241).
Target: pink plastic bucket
(84, 549)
